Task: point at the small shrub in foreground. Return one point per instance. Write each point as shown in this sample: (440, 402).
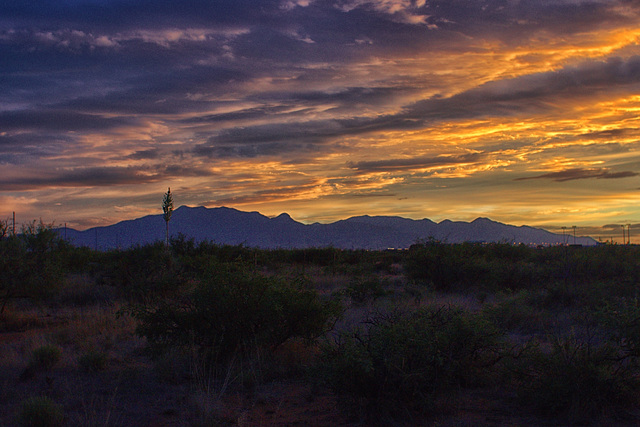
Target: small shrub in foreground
(40, 411)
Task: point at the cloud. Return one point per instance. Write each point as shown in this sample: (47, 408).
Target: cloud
(393, 165)
(79, 177)
(153, 153)
(291, 4)
(537, 93)
(403, 11)
(288, 192)
(59, 120)
(541, 93)
(581, 173)
(99, 176)
(609, 134)
(270, 139)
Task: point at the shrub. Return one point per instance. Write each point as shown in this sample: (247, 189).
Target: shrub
(404, 362)
(579, 379)
(236, 313)
(31, 263)
(435, 264)
(93, 361)
(40, 411)
(519, 312)
(143, 273)
(622, 320)
(364, 289)
(45, 357)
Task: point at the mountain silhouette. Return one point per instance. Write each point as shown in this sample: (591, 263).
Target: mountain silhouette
(227, 226)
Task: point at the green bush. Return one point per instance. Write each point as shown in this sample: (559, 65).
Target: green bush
(235, 313)
(40, 411)
(403, 362)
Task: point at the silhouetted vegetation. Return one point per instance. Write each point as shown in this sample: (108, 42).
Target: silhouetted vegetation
(32, 264)
(234, 313)
(399, 363)
(398, 335)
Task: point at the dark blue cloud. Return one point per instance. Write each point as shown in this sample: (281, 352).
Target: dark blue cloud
(123, 15)
(59, 120)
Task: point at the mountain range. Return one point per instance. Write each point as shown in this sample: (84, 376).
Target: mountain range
(233, 227)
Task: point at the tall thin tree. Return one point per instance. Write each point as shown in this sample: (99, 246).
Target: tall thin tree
(167, 208)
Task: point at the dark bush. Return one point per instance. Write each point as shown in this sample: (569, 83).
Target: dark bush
(143, 272)
(236, 313)
(403, 362)
(40, 411)
(365, 289)
(93, 361)
(580, 379)
(31, 264)
(45, 357)
(519, 312)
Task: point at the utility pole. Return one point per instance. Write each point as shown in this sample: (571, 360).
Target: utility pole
(624, 238)
(574, 234)
(14, 223)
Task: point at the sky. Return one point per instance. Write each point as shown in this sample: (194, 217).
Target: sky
(522, 111)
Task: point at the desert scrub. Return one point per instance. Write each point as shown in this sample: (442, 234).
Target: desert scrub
(31, 264)
(582, 377)
(519, 312)
(400, 363)
(362, 290)
(235, 313)
(40, 411)
(45, 357)
(93, 361)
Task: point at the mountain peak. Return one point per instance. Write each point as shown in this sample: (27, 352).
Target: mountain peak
(283, 217)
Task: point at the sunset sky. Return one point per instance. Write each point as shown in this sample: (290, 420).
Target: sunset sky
(522, 111)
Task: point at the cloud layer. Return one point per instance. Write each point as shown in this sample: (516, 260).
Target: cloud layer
(526, 112)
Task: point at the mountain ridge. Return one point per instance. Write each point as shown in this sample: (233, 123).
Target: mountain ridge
(224, 225)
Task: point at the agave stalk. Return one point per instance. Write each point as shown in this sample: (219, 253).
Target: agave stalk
(167, 209)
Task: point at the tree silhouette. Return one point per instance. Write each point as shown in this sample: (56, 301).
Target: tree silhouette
(167, 208)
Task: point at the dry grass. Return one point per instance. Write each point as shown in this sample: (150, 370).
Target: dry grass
(96, 328)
